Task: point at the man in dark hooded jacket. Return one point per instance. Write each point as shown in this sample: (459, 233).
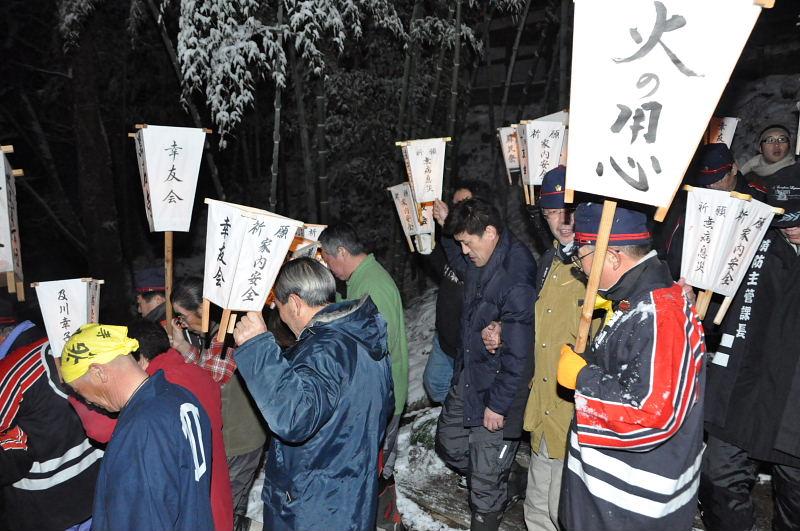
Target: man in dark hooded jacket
(754, 383)
(327, 400)
(481, 421)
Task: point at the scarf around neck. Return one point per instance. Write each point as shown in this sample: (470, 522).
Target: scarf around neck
(762, 168)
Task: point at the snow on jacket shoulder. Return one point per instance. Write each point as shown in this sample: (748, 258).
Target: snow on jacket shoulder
(636, 444)
(327, 400)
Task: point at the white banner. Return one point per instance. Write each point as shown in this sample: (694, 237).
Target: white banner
(310, 231)
(721, 236)
(721, 130)
(544, 141)
(245, 248)
(65, 307)
(425, 164)
(510, 149)
(644, 86)
(522, 145)
(169, 163)
(10, 255)
(405, 206)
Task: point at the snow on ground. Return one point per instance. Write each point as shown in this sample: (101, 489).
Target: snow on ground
(420, 316)
(415, 464)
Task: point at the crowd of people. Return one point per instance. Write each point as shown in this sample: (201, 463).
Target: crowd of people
(159, 426)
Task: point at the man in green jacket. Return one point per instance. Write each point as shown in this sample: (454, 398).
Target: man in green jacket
(348, 260)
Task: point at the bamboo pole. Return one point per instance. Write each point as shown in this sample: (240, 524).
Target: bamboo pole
(544, 37)
(598, 262)
(451, 127)
(305, 143)
(563, 52)
(168, 268)
(513, 60)
(437, 79)
(276, 133)
(322, 150)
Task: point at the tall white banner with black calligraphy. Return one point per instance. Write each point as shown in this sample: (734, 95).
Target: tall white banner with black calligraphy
(169, 163)
(644, 86)
(66, 305)
(10, 254)
(245, 248)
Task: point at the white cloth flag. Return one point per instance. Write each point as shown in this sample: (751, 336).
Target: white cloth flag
(644, 86)
(721, 236)
(405, 206)
(522, 145)
(425, 164)
(544, 148)
(10, 256)
(710, 221)
(721, 130)
(510, 149)
(245, 248)
(311, 231)
(65, 307)
(169, 163)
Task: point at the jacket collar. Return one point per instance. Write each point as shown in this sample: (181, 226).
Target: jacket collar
(649, 274)
(498, 257)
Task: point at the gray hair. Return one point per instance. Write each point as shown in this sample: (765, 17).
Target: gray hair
(341, 235)
(308, 279)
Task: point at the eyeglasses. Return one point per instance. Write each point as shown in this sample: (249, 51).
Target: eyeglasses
(783, 139)
(576, 259)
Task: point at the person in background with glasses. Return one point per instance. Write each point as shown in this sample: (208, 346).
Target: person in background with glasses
(774, 154)
(635, 446)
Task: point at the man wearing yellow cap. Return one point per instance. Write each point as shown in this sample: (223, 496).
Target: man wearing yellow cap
(157, 468)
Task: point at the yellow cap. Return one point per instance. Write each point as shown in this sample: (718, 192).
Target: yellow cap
(94, 343)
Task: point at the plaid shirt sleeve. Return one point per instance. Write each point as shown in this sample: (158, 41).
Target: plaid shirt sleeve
(211, 359)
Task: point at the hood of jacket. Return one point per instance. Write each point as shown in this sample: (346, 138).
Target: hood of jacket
(359, 320)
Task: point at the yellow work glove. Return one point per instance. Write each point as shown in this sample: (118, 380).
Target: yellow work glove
(569, 365)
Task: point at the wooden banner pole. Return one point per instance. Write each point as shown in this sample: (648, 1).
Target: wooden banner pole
(11, 282)
(703, 300)
(532, 194)
(223, 325)
(168, 268)
(527, 194)
(231, 323)
(569, 195)
(598, 262)
(206, 315)
(723, 309)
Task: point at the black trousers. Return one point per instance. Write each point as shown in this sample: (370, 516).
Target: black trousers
(726, 483)
(483, 456)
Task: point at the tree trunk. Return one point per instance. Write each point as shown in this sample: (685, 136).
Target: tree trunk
(563, 55)
(436, 81)
(305, 143)
(96, 181)
(276, 133)
(451, 128)
(195, 114)
(322, 150)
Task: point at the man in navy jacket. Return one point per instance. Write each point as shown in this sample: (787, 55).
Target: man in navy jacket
(481, 420)
(327, 400)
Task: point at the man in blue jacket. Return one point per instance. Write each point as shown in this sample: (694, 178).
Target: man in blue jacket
(481, 420)
(327, 400)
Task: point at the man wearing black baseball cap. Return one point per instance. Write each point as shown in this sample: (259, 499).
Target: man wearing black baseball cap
(754, 383)
(634, 448)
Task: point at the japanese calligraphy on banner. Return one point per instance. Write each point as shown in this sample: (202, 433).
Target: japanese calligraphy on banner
(644, 86)
(544, 141)
(67, 305)
(169, 162)
(10, 255)
(721, 236)
(510, 149)
(406, 207)
(721, 130)
(310, 231)
(425, 165)
(245, 248)
(522, 145)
